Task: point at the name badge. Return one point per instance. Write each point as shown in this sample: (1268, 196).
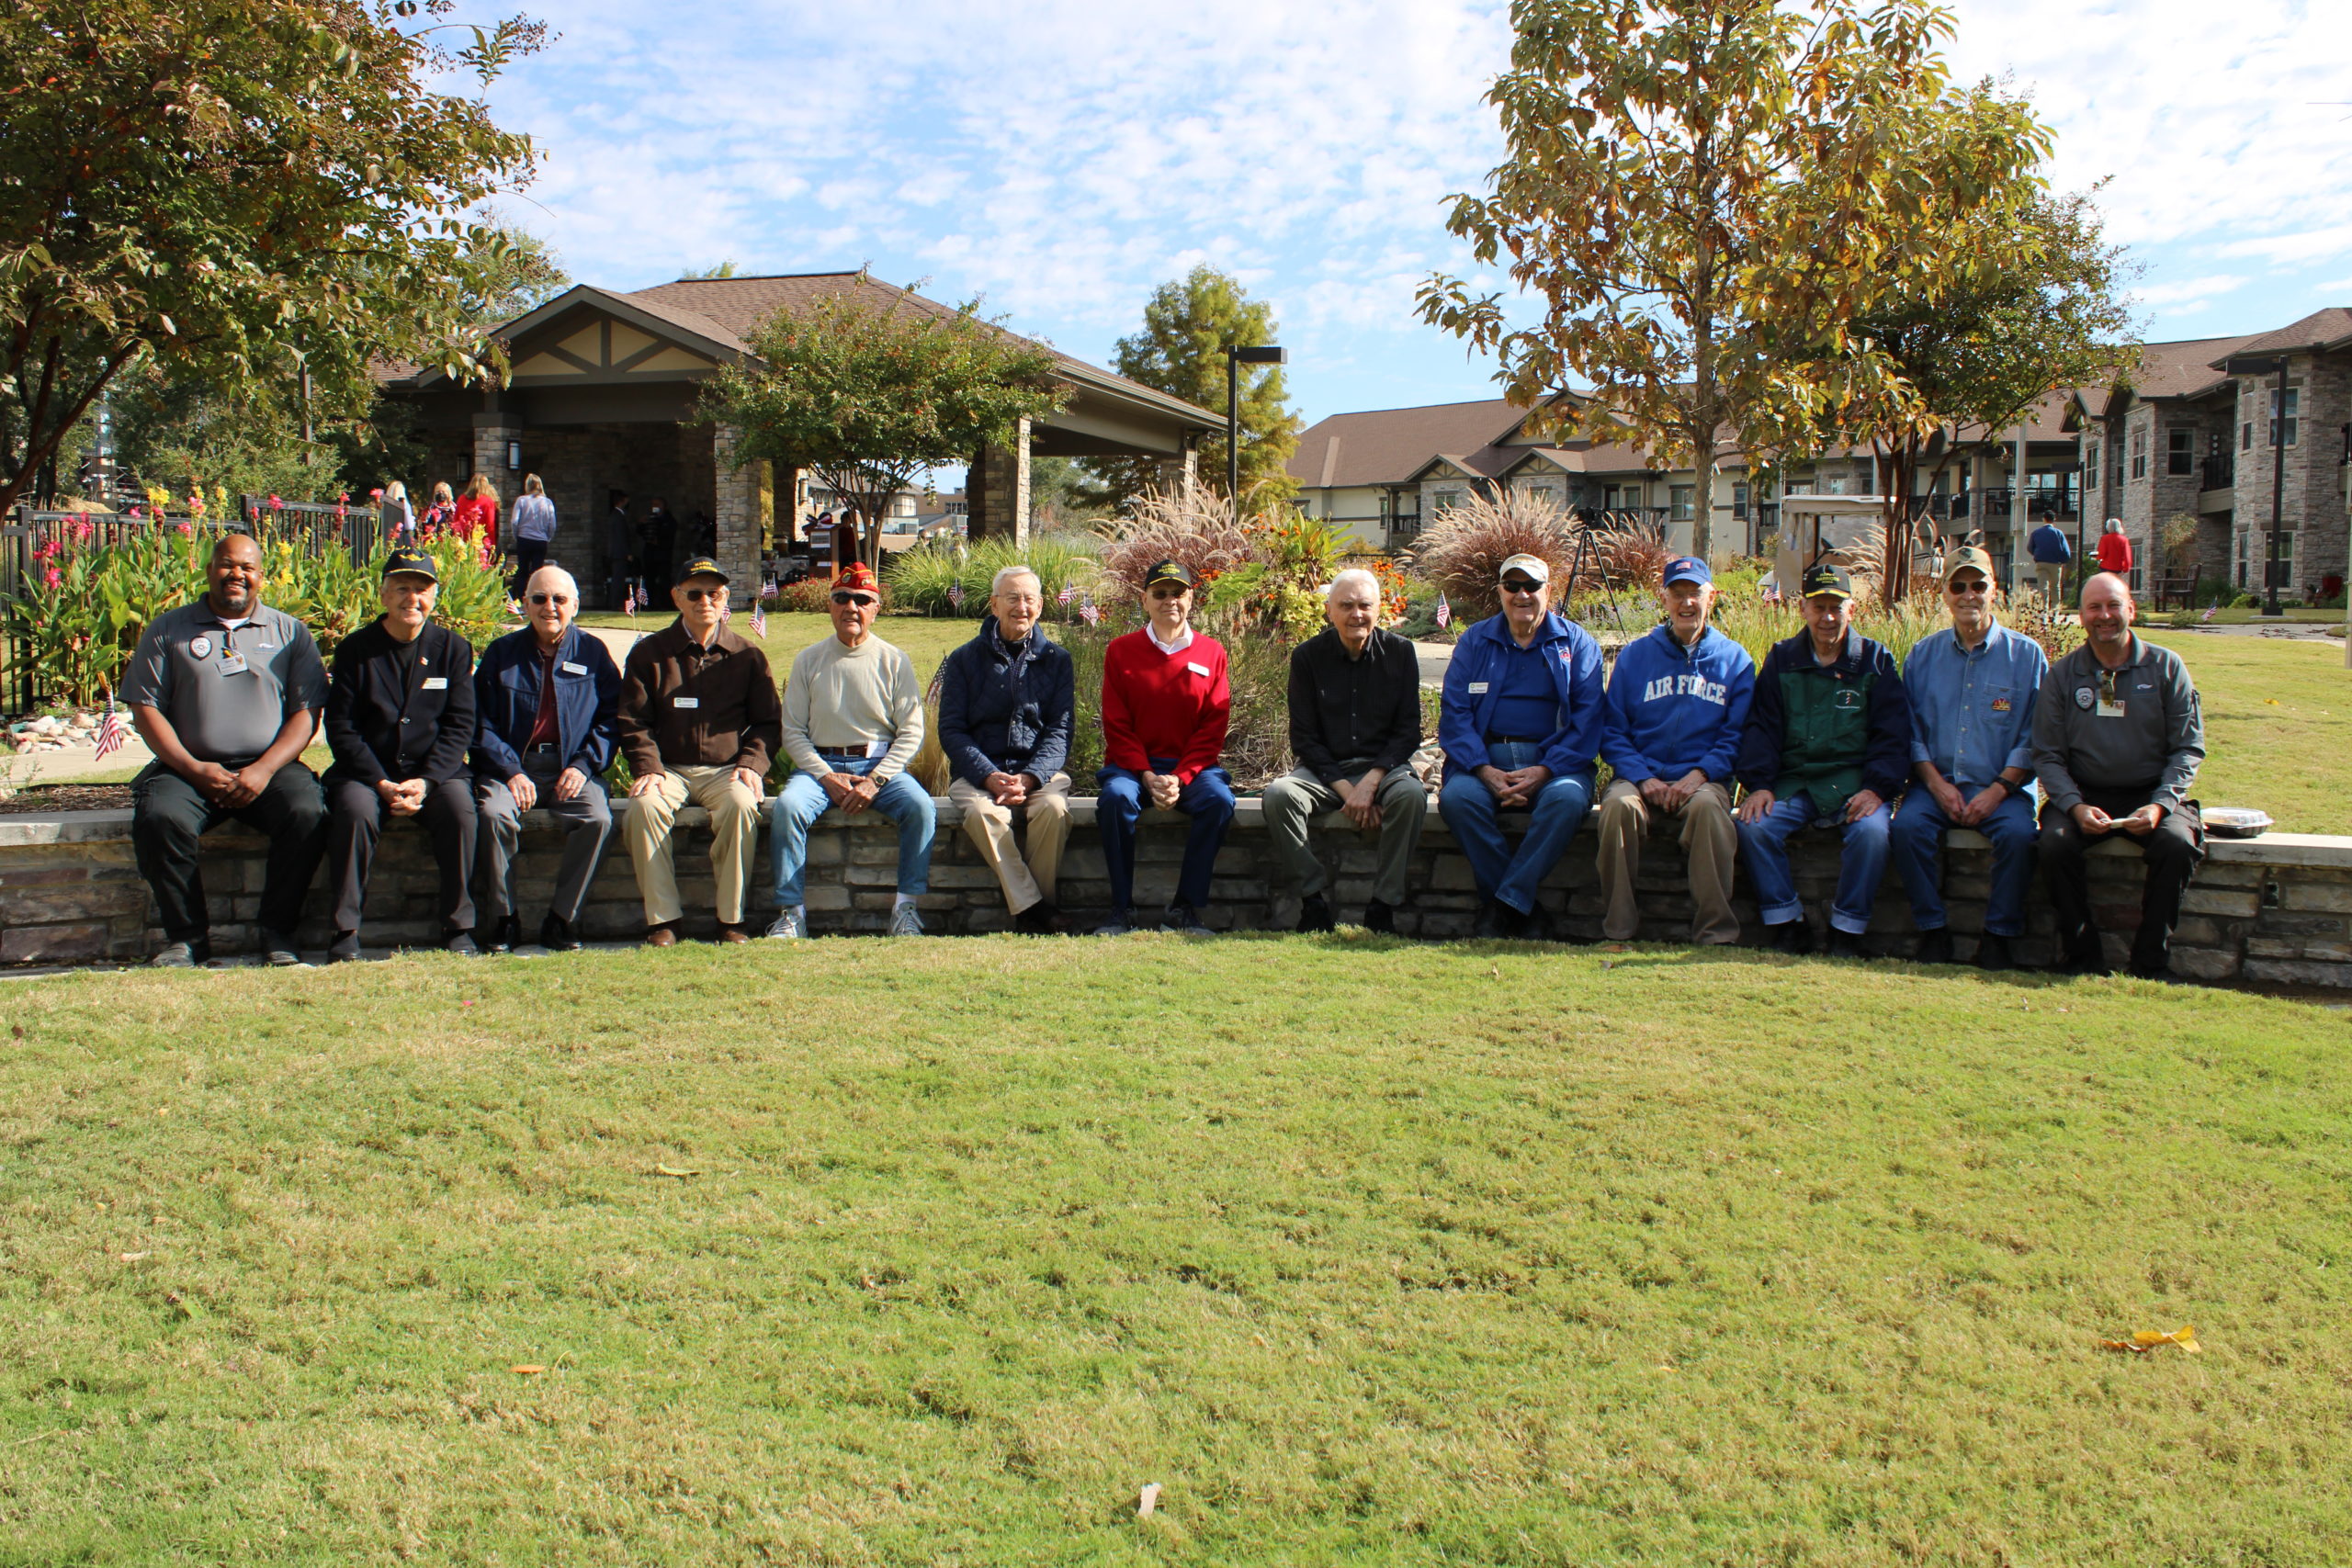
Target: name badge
(1196, 669)
(876, 750)
(436, 682)
(1477, 688)
(685, 702)
(2110, 699)
(569, 668)
(232, 664)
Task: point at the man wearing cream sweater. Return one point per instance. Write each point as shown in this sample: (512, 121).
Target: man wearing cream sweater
(852, 720)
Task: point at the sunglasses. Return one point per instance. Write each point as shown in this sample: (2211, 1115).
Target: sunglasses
(860, 600)
(1173, 590)
(550, 598)
(698, 594)
(1520, 585)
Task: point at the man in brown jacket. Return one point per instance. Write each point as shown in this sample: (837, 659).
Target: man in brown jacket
(699, 720)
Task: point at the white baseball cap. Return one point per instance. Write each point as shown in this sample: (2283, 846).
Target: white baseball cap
(1533, 566)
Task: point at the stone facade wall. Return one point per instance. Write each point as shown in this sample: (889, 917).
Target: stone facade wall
(739, 524)
(997, 488)
(2277, 909)
(2313, 502)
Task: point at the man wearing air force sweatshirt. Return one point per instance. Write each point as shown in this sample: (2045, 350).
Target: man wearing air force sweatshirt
(1670, 728)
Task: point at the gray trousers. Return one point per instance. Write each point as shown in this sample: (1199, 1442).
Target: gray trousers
(587, 819)
(1296, 799)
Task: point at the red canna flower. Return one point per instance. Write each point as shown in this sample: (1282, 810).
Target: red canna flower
(51, 577)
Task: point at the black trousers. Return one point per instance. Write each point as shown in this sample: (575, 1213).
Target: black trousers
(169, 816)
(529, 555)
(2171, 853)
(357, 813)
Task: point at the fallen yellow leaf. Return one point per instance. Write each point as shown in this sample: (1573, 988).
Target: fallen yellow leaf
(674, 1170)
(133, 1256)
(528, 1370)
(2144, 1340)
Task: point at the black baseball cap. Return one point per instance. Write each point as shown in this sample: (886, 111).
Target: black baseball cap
(1170, 572)
(413, 563)
(701, 566)
(1825, 581)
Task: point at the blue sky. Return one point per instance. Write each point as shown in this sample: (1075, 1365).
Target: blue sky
(1062, 157)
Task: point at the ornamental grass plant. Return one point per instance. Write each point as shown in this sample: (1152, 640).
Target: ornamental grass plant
(1462, 551)
(929, 577)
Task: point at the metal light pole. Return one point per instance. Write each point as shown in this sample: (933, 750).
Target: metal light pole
(2277, 487)
(1236, 357)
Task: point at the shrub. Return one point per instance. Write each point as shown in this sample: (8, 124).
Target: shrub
(925, 578)
(806, 597)
(1195, 526)
(1463, 550)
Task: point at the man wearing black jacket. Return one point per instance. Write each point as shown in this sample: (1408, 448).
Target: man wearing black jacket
(399, 720)
(1355, 722)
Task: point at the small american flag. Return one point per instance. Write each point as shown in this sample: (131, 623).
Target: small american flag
(628, 600)
(1088, 612)
(1444, 613)
(956, 594)
(110, 738)
(2206, 616)
(1068, 593)
(759, 622)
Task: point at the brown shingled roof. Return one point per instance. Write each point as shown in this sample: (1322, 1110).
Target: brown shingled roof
(2322, 331)
(1386, 446)
(2183, 369)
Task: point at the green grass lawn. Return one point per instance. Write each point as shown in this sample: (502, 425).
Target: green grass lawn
(1362, 1252)
(2277, 727)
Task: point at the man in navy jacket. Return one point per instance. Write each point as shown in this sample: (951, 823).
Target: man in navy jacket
(1519, 721)
(1678, 701)
(1005, 706)
(548, 695)
(400, 716)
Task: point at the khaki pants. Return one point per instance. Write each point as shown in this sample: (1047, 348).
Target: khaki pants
(1025, 882)
(734, 834)
(1709, 838)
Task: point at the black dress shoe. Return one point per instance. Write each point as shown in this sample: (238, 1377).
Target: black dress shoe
(1793, 937)
(1992, 953)
(1040, 919)
(345, 948)
(461, 944)
(1845, 944)
(557, 935)
(1381, 918)
(1935, 947)
(1314, 914)
(1536, 926)
(506, 935)
(2088, 960)
(1183, 918)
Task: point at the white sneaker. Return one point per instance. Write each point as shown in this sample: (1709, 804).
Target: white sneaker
(787, 926)
(906, 921)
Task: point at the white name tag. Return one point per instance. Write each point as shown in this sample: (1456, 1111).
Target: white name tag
(569, 668)
(232, 664)
(1477, 688)
(875, 749)
(1196, 669)
(685, 702)
(436, 682)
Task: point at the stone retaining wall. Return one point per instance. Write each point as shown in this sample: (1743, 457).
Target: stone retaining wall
(2276, 910)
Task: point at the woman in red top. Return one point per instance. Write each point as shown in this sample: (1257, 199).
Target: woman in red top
(476, 516)
(2115, 549)
(1166, 704)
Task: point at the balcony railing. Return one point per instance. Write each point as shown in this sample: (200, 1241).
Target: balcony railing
(2220, 471)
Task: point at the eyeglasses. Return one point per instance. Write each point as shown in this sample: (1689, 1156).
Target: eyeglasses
(1520, 585)
(1961, 589)
(860, 600)
(698, 594)
(550, 598)
(1176, 591)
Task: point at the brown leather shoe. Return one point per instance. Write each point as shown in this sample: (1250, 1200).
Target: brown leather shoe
(661, 936)
(733, 933)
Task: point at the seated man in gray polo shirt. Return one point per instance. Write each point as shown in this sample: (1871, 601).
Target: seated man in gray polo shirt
(226, 692)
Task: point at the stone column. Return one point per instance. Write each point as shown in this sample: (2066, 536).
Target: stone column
(997, 491)
(736, 519)
(492, 431)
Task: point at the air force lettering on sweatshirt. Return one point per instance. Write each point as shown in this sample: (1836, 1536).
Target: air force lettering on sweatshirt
(1663, 688)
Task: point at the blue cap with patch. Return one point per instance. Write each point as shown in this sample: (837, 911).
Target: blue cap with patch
(1686, 568)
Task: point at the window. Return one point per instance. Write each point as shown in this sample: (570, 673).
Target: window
(1609, 494)
(1542, 495)
(1446, 500)
(2140, 453)
(2292, 398)
(2091, 467)
(1681, 496)
(1739, 501)
(2245, 443)
(2246, 537)
(2180, 451)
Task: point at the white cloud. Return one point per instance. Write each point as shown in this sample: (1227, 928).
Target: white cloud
(2190, 292)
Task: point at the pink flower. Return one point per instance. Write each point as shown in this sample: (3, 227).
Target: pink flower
(375, 494)
(276, 505)
(83, 530)
(186, 528)
(51, 577)
(139, 512)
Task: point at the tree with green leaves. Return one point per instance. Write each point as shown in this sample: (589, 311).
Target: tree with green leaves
(1187, 326)
(867, 396)
(235, 190)
(2022, 303)
(1703, 194)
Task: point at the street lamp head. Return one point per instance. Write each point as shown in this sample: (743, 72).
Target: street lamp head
(1259, 355)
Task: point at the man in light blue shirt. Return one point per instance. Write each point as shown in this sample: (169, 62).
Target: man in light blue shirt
(1972, 690)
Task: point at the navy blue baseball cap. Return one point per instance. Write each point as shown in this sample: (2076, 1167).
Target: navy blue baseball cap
(1685, 569)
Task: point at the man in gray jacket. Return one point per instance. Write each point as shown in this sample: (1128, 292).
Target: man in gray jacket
(2118, 735)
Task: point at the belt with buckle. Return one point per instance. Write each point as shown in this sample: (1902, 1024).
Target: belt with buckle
(1517, 739)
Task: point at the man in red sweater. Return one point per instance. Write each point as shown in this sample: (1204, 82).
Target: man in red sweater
(1166, 704)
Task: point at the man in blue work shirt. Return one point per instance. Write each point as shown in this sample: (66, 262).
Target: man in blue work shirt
(1676, 702)
(1520, 720)
(1972, 690)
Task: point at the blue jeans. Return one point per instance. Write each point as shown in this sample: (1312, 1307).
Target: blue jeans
(1861, 863)
(1207, 800)
(1468, 808)
(802, 800)
(1919, 830)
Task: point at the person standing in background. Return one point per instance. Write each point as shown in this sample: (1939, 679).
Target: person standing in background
(443, 511)
(2115, 549)
(620, 551)
(476, 517)
(394, 515)
(534, 531)
(657, 535)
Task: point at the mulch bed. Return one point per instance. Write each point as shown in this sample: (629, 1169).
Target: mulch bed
(67, 797)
